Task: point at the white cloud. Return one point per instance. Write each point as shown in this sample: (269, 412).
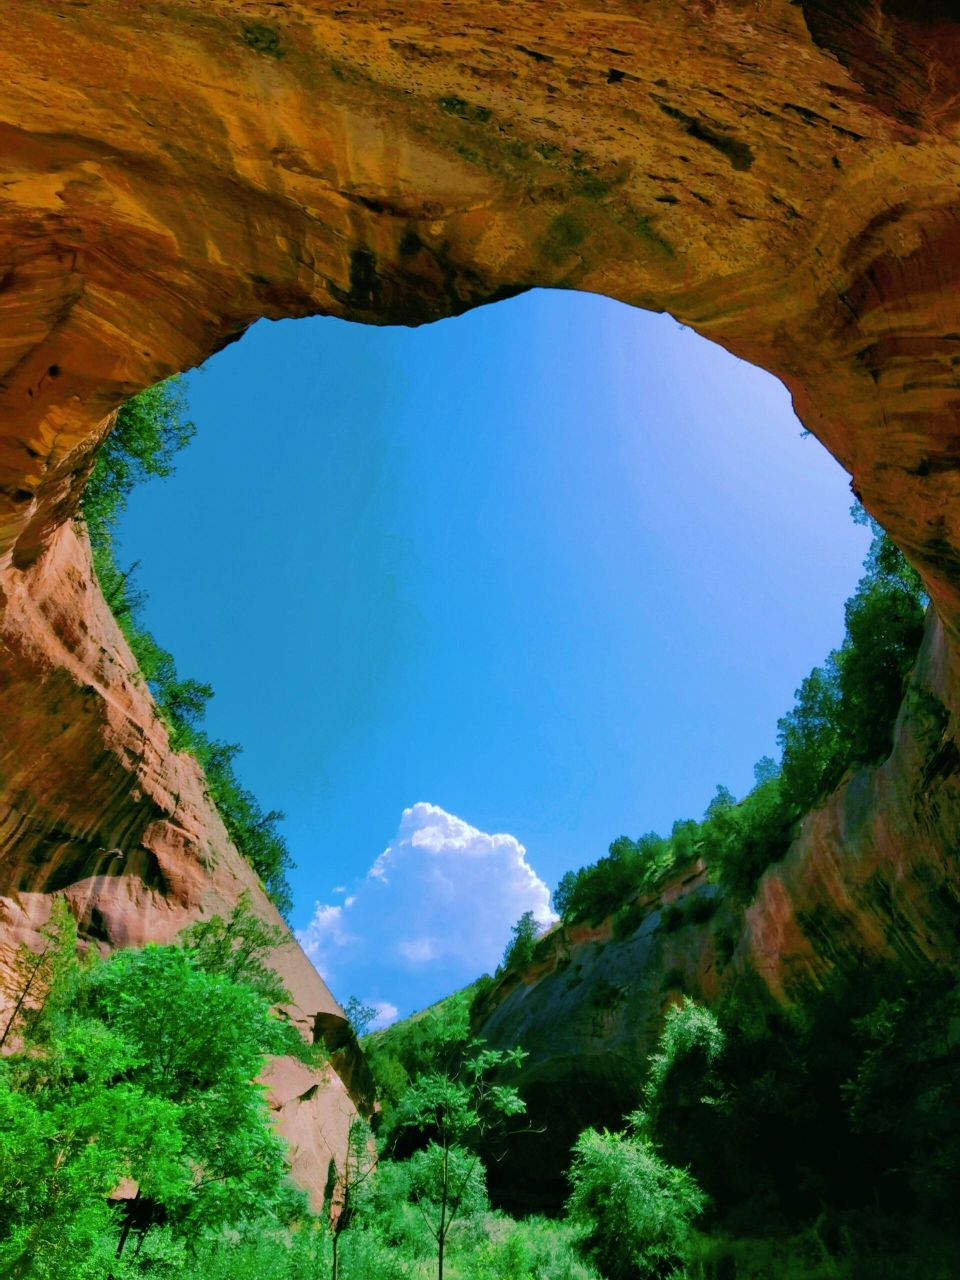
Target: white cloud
(434, 911)
(416, 950)
(324, 937)
(386, 1013)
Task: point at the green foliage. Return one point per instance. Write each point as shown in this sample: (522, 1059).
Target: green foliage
(533, 1249)
(138, 1067)
(739, 841)
(359, 1015)
(434, 1040)
(629, 867)
(346, 1186)
(456, 1114)
(906, 1088)
(844, 716)
(632, 1211)
(831, 1132)
(523, 941)
(150, 430)
(237, 948)
(845, 710)
(37, 977)
(684, 1086)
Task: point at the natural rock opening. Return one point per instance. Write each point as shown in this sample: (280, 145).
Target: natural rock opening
(782, 178)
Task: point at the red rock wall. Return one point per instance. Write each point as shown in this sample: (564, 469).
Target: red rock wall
(780, 176)
(872, 877)
(96, 806)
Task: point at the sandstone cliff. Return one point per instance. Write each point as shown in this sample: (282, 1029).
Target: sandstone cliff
(873, 876)
(97, 806)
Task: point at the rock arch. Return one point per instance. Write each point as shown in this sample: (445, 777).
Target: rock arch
(781, 175)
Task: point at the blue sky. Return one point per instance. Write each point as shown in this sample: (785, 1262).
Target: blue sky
(552, 569)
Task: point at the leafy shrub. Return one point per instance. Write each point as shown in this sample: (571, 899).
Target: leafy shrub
(598, 890)
(631, 1210)
(523, 941)
(533, 1249)
(142, 1066)
(682, 1074)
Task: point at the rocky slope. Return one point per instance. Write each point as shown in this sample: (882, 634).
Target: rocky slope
(873, 876)
(781, 176)
(96, 806)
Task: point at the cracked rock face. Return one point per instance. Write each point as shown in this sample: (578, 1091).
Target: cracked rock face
(780, 176)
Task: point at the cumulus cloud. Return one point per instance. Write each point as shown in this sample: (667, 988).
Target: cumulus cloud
(434, 912)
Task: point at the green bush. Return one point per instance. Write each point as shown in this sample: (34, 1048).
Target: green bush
(631, 1211)
(142, 1066)
(523, 941)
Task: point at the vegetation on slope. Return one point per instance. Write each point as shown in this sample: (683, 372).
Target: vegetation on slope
(844, 716)
(150, 430)
(132, 1132)
(814, 1145)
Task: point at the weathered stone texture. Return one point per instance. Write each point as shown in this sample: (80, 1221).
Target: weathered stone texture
(781, 176)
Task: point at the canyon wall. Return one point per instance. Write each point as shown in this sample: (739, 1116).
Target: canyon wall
(780, 176)
(96, 806)
(872, 878)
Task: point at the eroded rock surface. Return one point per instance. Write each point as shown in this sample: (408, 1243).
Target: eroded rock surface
(95, 805)
(872, 878)
(780, 176)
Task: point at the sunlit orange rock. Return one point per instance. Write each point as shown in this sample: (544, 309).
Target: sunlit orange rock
(782, 177)
(95, 805)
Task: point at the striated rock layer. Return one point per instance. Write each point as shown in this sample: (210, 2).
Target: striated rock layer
(873, 877)
(781, 176)
(95, 805)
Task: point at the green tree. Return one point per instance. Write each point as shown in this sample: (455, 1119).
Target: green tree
(456, 1114)
(140, 1068)
(200, 1041)
(73, 1126)
(523, 940)
(345, 1185)
(238, 947)
(359, 1015)
(148, 433)
(684, 1094)
(563, 895)
(631, 1210)
(38, 973)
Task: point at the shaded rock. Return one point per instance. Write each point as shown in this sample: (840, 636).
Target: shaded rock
(872, 878)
